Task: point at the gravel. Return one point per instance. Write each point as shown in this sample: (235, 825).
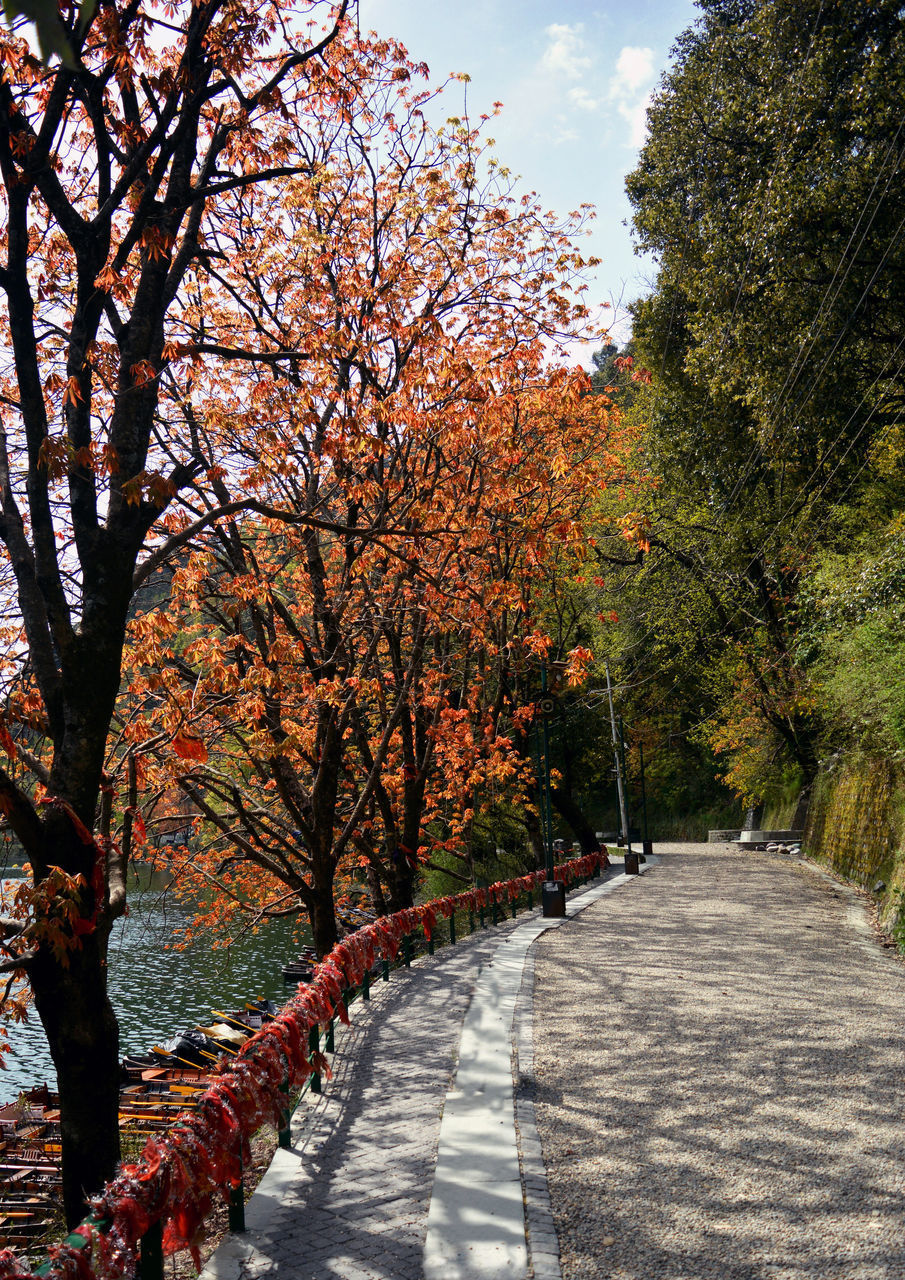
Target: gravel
(720, 1078)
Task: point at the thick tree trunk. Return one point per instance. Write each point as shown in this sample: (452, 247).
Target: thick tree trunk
(83, 1035)
(802, 805)
(533, 804)
(401, 880)
(535, 833)
(375, 889)
(571, 810)
(402, 863)
(70, 991)
(323, 916)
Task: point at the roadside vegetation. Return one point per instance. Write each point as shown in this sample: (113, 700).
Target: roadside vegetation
(305, 508)
(761, 634)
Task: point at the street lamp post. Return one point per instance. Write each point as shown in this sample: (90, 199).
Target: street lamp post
(553, 893)
(646, 846)
(631, 859)
(623, 812)
(548, 804)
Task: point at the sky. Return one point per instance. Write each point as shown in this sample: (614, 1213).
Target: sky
(574, 79)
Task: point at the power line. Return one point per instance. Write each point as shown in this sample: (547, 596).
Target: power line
(774, 409)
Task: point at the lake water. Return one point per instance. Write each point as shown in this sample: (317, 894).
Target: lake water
(156, 991)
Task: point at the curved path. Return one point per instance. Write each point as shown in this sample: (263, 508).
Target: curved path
(718, 1083)
(350, 1200)
(409, 1164)
(734, 1106)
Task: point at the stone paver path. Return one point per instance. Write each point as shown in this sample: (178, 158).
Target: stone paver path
(350, 1201)
(718, 1078)
(720, 1063)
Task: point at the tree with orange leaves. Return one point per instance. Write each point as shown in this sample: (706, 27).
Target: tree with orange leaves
(127, 176)
(411, 459)
(322, 701)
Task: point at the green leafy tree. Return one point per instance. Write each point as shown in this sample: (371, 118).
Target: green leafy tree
(767, 191)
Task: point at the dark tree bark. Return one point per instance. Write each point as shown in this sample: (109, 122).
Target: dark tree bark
(100, 175)
(535, 829)
(569, 808)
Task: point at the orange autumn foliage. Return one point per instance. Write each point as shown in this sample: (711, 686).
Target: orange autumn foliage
(410, 459)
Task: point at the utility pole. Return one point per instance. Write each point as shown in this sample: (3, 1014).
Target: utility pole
(623, 814)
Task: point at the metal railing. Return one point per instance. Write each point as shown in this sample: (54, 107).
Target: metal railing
(156, 1205)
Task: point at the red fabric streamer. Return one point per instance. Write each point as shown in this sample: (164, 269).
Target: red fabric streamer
(178, 1175)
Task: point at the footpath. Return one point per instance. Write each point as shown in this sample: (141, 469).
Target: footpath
(734, 1107)
(705, 1080)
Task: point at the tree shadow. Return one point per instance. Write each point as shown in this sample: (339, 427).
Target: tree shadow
(720, 1078)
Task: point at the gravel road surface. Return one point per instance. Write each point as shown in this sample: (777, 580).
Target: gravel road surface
(720, 1064)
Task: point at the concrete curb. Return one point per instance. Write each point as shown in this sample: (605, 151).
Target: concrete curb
(476, 1225)
(514, 1220)
(543, 1245)
(856, 911)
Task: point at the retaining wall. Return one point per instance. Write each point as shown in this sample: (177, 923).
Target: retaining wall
(856, 825)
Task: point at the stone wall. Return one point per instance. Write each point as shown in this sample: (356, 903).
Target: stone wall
(856, 825)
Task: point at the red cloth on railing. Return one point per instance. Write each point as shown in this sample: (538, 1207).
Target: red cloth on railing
(179, 1174)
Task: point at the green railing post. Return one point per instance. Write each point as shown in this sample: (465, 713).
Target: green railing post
(530, 900)
(329, 1045)
(430, 944)
(386, 970)
(284, 1137)
(237, 1203)
(452, 929)
(471, 922)
(515, 906)
(314, 1041)
(366, 985)
(150, 1253)
(494, 911)
(407, 951)
(481, 915)
(77, 1241)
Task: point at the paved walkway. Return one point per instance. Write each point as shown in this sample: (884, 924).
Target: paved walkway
(734, 1107)
(350, 1200)
(717, 1097)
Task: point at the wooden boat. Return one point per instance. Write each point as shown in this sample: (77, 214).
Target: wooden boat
(36, 1179)
(302, 968)
(297, 971)
(227, 1038)
(255, 1015)
(24, 1222)
(156, 1088)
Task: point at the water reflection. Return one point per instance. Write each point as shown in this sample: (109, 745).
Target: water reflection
(156, 991)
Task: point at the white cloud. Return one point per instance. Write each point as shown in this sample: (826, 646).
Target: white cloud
(630, 90)
(581, 98)
(562, 133)
(569, 57)
(565, 54)
(635, 116)
(634, 72)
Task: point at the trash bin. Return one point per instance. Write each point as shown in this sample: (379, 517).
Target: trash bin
(632, 866)
(553, 898)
